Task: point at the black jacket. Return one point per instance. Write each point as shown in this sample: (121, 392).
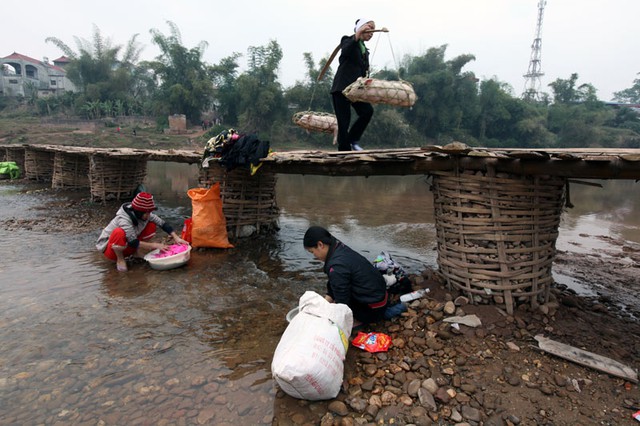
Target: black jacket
(352, 278)
(353, 64)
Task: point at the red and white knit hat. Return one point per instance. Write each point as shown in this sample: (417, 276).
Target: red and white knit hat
(143, 202)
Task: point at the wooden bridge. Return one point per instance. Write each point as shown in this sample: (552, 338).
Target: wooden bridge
(595, 163)
(585, 163)
(497, 211)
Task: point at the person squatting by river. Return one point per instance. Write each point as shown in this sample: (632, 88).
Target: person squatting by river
(353, 280)
(353, 63)
(130, 231)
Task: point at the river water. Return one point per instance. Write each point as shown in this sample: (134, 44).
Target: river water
(82, 343)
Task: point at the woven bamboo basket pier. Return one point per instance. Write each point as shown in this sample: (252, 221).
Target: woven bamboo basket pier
(38, 165)
(70, 170)
(496, 234)
(248, 202)
(115, 178)
(15, 154)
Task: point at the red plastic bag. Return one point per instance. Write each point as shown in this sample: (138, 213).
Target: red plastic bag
(186, 230)
(372, 342)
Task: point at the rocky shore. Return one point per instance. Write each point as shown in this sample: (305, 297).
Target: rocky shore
(441, 373)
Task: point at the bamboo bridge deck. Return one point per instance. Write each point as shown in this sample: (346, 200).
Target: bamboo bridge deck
(586, 163)
(592, 163)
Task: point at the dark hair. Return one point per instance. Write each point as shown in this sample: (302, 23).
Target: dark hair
(315, 234)
(138, 213)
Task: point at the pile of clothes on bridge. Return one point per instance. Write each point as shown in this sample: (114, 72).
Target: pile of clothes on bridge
(232, 149)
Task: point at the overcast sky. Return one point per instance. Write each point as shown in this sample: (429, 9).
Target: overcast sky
(598, 39)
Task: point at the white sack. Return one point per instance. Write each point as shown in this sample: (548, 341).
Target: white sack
(309, 360)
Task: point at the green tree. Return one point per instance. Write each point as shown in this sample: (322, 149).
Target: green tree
(98, 69)
(630, 95)
(224, 75)
(447, 97)
(184, 84)
(311, 94)
(577, 116)
(494, 114)
(566, 92)
(261, 100)
(505, 120)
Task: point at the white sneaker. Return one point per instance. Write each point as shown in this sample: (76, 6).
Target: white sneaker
(356, 147)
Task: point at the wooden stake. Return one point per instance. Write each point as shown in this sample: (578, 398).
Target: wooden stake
(587, 359)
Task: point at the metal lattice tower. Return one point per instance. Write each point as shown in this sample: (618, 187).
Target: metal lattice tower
(532, 77)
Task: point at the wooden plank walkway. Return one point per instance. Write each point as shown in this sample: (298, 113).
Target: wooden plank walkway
(586, 163)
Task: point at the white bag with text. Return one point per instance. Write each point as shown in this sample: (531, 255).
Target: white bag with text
(308, 362)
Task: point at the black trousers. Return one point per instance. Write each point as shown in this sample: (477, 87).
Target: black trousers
(342, 107)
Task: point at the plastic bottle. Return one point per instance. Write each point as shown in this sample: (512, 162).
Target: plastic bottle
(408, 297)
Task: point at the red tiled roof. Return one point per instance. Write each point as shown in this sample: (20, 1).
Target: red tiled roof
(62, 59)
(21, 57)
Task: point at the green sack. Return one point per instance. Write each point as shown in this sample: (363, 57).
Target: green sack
(10, 169)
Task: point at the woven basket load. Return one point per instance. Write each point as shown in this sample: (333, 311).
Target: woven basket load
(375, 91)
(497, 233)
(248, 201)
(316, 121)
(70, 170)
(115, 178)
(38, 165)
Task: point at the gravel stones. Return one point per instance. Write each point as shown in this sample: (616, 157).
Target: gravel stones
(437, 373)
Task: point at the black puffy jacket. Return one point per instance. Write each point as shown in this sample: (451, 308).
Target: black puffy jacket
(353, 64)
(352, 277)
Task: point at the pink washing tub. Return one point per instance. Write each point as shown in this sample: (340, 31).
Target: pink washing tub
(173, 256)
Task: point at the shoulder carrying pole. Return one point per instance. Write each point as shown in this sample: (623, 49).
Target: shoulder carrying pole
(324, 69)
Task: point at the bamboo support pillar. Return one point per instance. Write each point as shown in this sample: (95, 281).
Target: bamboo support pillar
(16, 154)
(496, 234)
(248, 201)
(116, 177)
(70, 170)
(38, 164)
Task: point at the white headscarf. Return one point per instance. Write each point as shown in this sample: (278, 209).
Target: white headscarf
(360, 23)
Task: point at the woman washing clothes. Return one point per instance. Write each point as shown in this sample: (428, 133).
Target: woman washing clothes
(353, 280)
(130, 231)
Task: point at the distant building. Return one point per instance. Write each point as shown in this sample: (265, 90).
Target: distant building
(22, 74)
(633, 107)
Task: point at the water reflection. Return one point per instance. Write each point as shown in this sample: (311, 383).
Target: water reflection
(83, 342)
(613, 209)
